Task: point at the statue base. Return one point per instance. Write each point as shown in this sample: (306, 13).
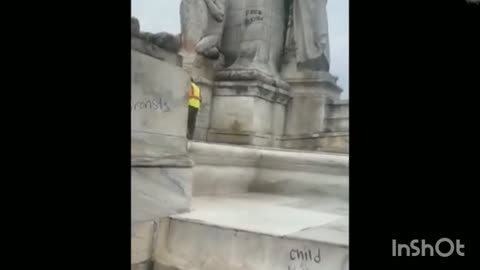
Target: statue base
(307, 120)
(247, 112)
(250, 74)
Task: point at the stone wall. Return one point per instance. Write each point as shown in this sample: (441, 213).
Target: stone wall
(160, 161)
(249, 113)
(161, 170)
(316, 118)
(227, 169)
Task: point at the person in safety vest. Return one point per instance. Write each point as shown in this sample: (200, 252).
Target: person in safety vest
(194, 101)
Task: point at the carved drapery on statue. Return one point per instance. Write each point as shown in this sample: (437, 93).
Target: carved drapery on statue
(256, 36)
(307, 34)
(253, 41)
(202, 26)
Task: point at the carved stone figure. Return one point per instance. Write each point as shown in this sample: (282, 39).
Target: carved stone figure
(209, 45)
(202, 26)
(164, 40)
(307, 34)
(253, 41)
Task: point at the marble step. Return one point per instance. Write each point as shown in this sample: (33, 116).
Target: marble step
(226, 169)
(257, 232)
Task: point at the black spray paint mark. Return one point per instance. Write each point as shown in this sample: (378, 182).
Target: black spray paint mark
(253, 15)
(305, 255)
(151, 105)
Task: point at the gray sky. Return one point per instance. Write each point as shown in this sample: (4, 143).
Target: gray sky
(164, 15)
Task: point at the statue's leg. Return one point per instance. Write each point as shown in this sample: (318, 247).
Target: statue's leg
(212, 53)
(206, 43)
(276, 43)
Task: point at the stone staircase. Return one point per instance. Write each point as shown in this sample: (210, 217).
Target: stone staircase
(255, 231)
(259, 209)
(205, 206)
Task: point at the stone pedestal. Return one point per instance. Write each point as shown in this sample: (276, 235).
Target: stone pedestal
(307, 112)
(247, 112)
(161, 169)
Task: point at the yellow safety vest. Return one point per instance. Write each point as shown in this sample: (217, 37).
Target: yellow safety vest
(194, 96)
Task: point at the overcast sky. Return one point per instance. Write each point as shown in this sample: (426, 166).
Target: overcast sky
(164, 15)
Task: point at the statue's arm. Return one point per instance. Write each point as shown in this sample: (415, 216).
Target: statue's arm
(216, 9)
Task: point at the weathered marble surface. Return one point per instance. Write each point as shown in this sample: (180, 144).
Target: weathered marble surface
(252, 50)
(307, 34)
(161, 169)
(194, 21)
(142, 242)
(327, 141)
(159, 192)
(257, 235)
(202, 24)
(159, 110)
(163, 40)
(142, 266)
(227, 169)
(308, 115)
(338, 119)
(247, 113)
(154, 51)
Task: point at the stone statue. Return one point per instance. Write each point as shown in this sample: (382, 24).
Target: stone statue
(253, 41)
(163, 40)
(209, 45)
(202, 26)
(256, 37)
(307, 34)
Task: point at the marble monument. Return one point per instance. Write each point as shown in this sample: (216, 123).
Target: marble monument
(265, 68)
(161, 169)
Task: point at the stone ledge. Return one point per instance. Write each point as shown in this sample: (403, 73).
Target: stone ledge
(222, 231)
(142, 266)
(229, 155)
(341, 102)
(326, 141)
(238, 138)
(314, 89)
(166, 161)
(314, 136)
(242, 75)
(337, 118)
(253, 89)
